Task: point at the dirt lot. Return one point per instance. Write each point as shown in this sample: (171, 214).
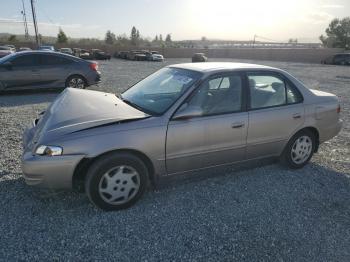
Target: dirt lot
(265, 213)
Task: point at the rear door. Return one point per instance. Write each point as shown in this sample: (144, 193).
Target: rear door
(218, 136)
(54, 70)
(24, 74)
(275, 112)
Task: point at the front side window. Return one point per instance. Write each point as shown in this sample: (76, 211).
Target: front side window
(25, 60)
(266, 91)
(157, 92)
(219, 95)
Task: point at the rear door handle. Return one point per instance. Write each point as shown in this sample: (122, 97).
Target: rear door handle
(237, 125)
(297, 116)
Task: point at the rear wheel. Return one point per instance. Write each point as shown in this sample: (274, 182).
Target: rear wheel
(116, 181)
(76, 81)
(299, 149)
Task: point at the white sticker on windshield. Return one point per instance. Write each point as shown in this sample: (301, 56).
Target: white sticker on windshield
(182, 79)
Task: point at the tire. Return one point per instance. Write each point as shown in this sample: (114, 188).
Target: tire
(116, 181)
(299, 149)
(76, 81)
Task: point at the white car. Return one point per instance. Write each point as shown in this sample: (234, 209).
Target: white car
(5, 50)
(154, 56)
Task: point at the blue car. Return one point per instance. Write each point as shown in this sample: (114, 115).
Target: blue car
(42, 69)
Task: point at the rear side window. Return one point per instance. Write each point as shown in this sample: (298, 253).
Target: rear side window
(54, 60)
(268, 90)
(25, 60)
(293, 95)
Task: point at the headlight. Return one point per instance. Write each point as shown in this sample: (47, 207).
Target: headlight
(49, 150)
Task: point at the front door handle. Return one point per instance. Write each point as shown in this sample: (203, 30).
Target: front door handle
(297, 116)
(237, 125)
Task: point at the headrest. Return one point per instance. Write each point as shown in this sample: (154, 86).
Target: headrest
(252, 83)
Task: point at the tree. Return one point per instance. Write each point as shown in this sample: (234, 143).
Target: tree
(61, 37)
(156, 39)
(168, 38)
(123, 40)
(12, 38)
(203, 39)
(110, 38)
(338, 33)
(293, 41)
(134, 36)
(160, 38)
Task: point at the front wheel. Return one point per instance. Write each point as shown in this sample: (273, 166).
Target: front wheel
(76, 82)
(299, 150)
(116, 181)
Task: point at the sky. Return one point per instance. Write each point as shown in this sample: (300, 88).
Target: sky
(277, 20)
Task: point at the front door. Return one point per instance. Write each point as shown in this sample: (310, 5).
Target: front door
(24, 73)
(216, 137)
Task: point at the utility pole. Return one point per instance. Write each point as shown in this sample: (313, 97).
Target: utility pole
(35, 24)
(26, 34)
(254, 41)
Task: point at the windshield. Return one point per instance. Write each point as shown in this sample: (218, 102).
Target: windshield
(157, 92)
(5, 58)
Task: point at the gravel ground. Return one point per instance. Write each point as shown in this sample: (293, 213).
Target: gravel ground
(266, 213)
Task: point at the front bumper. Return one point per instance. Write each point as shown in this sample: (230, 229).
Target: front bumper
(49, 172)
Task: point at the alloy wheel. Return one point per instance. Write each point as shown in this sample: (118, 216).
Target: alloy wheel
(76, 82)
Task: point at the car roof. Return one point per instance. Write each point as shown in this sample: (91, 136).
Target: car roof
(218, 66)
(43, 52)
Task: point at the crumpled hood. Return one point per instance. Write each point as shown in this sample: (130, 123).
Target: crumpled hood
(76, 109)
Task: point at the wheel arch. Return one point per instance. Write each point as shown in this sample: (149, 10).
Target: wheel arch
(81, 169)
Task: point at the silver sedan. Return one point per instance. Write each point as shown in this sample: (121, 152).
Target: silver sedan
(180, 119)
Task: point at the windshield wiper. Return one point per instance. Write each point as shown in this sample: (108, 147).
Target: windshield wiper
(126, 101)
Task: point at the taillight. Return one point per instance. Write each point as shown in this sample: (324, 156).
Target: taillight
(94, 66)
(338, 109)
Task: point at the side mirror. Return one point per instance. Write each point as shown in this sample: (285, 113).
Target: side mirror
(7, 65)
(187, 112)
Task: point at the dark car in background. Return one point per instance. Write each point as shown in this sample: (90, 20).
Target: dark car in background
(199, 57)
(5, 50)
(338, 59)
(99, 54)
(42, 69)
